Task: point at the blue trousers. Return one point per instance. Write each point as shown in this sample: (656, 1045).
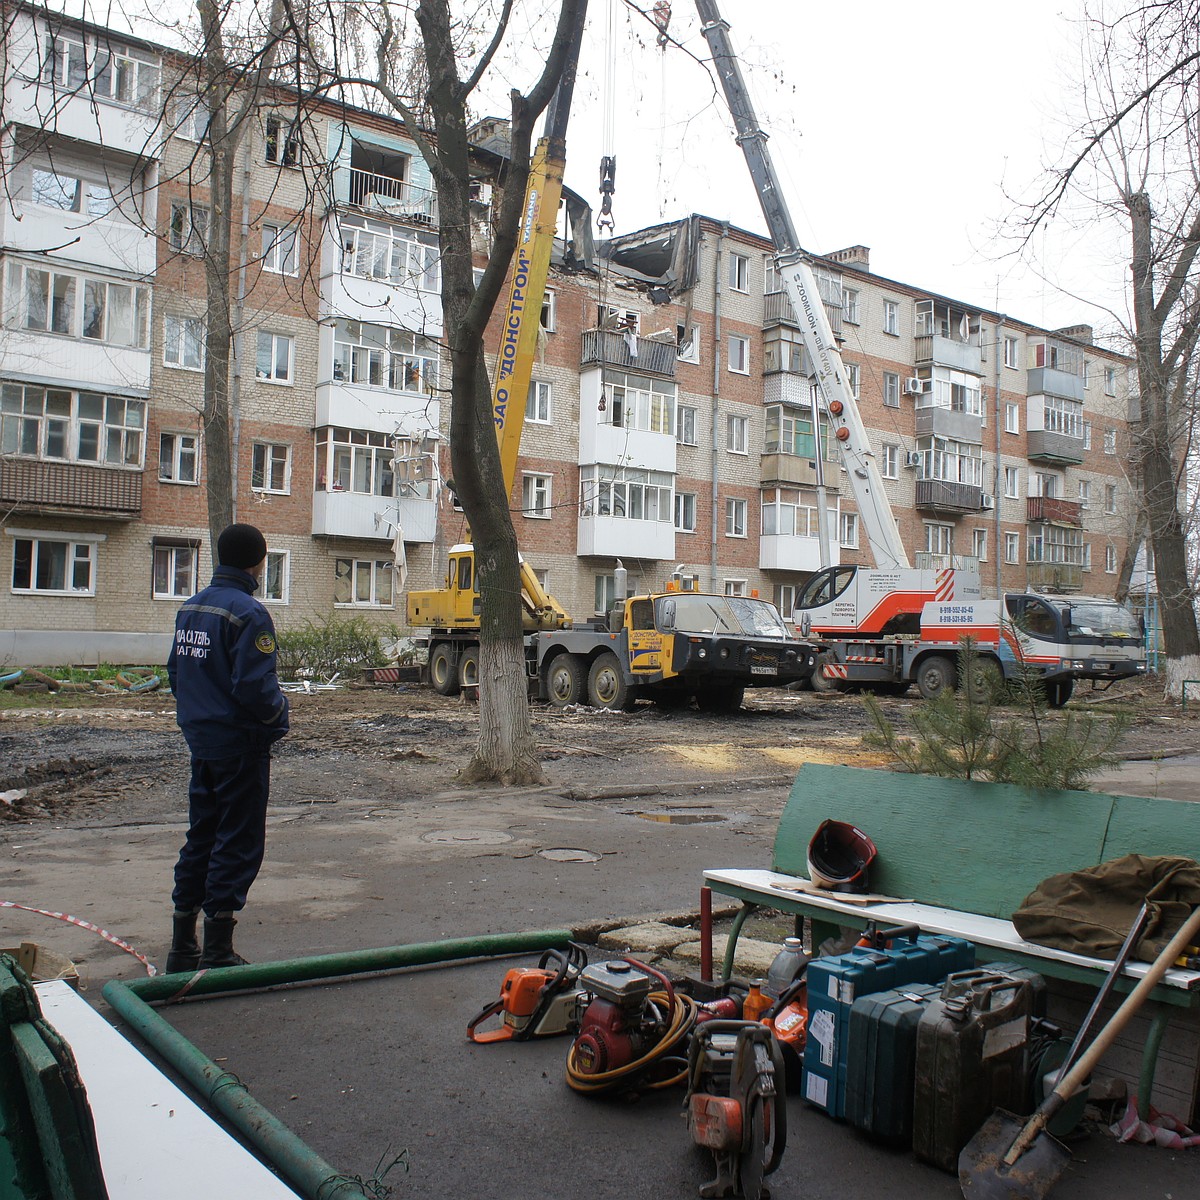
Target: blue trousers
(227, 830)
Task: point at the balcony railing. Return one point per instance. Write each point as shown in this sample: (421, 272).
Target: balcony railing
(1052, 511)
(944, 495)
(778, 308)
(628, 351)
(71, 487)
(391, 197)
(1058, 577)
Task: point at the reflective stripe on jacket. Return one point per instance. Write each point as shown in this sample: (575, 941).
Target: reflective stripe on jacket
(222, 669)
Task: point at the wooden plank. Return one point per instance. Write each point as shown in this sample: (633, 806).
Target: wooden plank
(935, 836)
(1153, 825)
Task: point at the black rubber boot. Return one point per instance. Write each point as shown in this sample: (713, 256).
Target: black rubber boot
(185, 950)
(218, 943)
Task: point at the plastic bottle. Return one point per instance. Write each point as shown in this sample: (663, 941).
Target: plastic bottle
(755, 1003)
(785, 967)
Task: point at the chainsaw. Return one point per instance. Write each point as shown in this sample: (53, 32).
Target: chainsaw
(536, 1001)
(735, 1104)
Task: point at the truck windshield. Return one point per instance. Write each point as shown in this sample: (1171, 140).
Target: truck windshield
(1095, 619)
(738, 615)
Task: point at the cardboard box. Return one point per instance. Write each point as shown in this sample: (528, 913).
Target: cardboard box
(42, 965)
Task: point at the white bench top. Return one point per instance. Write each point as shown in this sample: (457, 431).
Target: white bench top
(154, 1141)
(982, 931)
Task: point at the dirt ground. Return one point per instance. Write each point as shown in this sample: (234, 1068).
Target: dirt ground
(119, 759)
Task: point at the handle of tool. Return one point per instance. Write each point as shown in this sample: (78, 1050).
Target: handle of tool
(1067, 1086)
(1110, 980)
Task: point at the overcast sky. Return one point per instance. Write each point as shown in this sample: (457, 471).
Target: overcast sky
(904, 127)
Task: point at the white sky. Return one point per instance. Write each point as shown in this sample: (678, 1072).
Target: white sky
(898, 126)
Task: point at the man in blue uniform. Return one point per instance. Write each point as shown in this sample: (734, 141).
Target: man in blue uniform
(230, 709)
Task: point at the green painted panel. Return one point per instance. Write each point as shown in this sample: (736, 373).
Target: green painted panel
(1153, 825)
(976, 847)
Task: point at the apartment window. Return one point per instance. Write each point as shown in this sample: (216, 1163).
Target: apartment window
(76, 306)
(735, 518)
(979, 544)
(179, 458)
(384, 357)
(1085, 493)
(271, 468)
(279, 249)
(174, 570)
(854, 378)
(190, 117)
(1110, 441)
(1110, 498)
(183, 342)
(58, 423)
(1110, 559)
(69, 193)
(1011, 352)
(735, 587)
(851, 300)
(687, 342)
(739, 354)
(939, 539)
(111, 74)
(848, 531)
(737, 434)
(1087, 556)
(686, 425)
(955, 462)
(954, 390)
(628, 492)
(189, 228)
(891, 317)
(637, 402)
(1087, 372)
(789, 512)
(282, 142)
(788, 431)
(606, 590)
(273, 588)
(1063, 416)
(685, 512)
(362, 582)
(739, 272)
(390, 257)
(1012, 417)
(537, 403)
(1110, 381)
(1054, 544)
(1087, 435)
(784, 599)
(1012, 483)
(535, 496)
(273, 361)
(890, 461)
(891, 389)
(1012, 547)
(549, 316)
(53, 566)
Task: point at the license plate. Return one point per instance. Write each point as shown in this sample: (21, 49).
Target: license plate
(764, 670)
(1102, 666)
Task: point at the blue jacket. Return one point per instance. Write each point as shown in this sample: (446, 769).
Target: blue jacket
(222, 670)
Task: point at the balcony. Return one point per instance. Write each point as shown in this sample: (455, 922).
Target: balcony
(628, 351)
(1048, 446)
(110, 493)
(611, 537)
(385, 195)
(932, 349)
(790, 470)
(1050, 510)
(787, 552)
(937, 421)
(1055, 577)
(357, 515)
(778, 310)
(948, 496)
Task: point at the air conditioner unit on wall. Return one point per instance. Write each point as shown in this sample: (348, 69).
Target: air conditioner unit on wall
(912, 458)
(987, 501)
(914, 386)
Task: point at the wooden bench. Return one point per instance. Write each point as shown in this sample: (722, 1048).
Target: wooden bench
(962, 856)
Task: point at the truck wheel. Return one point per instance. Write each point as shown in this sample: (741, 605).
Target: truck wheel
(1057, 694)
(818, 680)
(606, 683)
(468, 668)
(986, 682)
(935, 676)
(565, 683)
(725, 699)
(443, 670)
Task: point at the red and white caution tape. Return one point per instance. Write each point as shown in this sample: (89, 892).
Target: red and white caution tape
(151, 969)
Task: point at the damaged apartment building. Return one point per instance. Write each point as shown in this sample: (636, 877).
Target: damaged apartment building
(670, 420)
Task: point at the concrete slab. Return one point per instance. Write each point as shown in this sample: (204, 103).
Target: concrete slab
(654, 937)
(752, 960)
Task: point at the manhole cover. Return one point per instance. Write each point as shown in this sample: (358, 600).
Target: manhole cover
(679, 818)
(467, 837)
(568, 854)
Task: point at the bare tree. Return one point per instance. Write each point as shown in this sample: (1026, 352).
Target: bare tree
(1138, 158)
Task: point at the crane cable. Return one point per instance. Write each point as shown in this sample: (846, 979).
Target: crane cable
(608, 160)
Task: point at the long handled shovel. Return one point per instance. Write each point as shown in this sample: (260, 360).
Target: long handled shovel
(1006, 1160)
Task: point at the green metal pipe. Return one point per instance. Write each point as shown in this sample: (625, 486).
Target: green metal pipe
(294, 1158)
(734, 932)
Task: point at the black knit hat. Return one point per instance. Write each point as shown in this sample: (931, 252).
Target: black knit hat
(241, 546)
